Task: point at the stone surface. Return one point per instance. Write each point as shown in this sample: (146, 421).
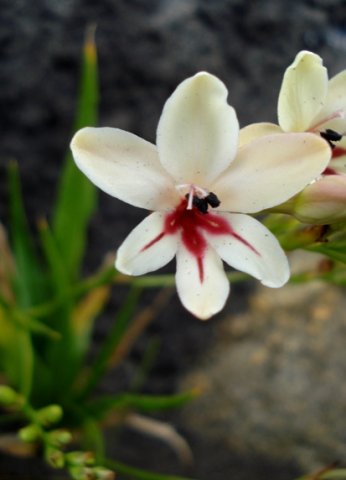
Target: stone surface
(273, 383)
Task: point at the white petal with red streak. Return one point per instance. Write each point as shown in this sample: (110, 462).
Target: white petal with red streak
(270, 170)
(197, 134)
(145, 249)
(303, 92)
(202, 298)
(259, 254)
(124, 166)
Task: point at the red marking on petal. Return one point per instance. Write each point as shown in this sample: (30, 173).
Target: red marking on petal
(152, 242)
(338, 152)
(330, 171)
(200, 269)
(191, 224)
(245, 242)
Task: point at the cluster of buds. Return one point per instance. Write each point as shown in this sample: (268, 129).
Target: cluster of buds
(80, 465)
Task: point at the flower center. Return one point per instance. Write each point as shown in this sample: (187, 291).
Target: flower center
(192, 224)
(198, 197)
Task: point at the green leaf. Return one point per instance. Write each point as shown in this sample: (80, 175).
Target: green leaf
(114, 337)
(335, 251)
(67, 347)
(326, 474)
(29, 280)
(339, 474)
(57, 270)
(139, 474)
(76, 198)
(93, 439)
(145, 403)
(16, 353)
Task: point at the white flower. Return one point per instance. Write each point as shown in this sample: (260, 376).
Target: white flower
(309, 102)
(196, 154)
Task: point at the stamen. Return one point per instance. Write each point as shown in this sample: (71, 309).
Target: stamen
(337, 114)
(201, 204)
(198, 197)
(213, 200)
(331, 136)
(201, 191)
(190, 198)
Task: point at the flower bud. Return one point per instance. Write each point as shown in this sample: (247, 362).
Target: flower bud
(8, 397)
(102, 473)
(55, 457)
(82, 473)
(58, 438)
(80, 458)
(30, 433)
(48, 415)
(323, 202)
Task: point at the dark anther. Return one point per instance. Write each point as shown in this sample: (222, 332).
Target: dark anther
(212, 200)
(331, 136)
(201, 204)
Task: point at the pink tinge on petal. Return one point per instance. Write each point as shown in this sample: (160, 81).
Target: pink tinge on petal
(191, 224)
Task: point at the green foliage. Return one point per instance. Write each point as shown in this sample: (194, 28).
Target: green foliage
(76, 200)
(47, 314)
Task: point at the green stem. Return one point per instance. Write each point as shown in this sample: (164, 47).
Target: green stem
(138, 474)
(105, 277)
(111, 343)
(109, 276)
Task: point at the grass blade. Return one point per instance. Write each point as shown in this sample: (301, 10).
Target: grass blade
(29, 280)
(76, 199)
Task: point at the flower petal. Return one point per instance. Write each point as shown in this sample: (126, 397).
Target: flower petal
(252, 249)
(202, 297)
(125, 166)
(147, 247)
(303, 92)
(338, 161)
(198, 131)
(270, 170)
(323, 202)
(257, 130)
(335, 105)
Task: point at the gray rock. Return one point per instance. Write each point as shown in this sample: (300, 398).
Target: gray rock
(273, 382)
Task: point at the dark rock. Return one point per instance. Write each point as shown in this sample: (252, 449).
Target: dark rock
(146, 47)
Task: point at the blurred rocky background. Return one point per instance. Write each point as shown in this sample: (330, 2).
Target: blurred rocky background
(272, 367)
